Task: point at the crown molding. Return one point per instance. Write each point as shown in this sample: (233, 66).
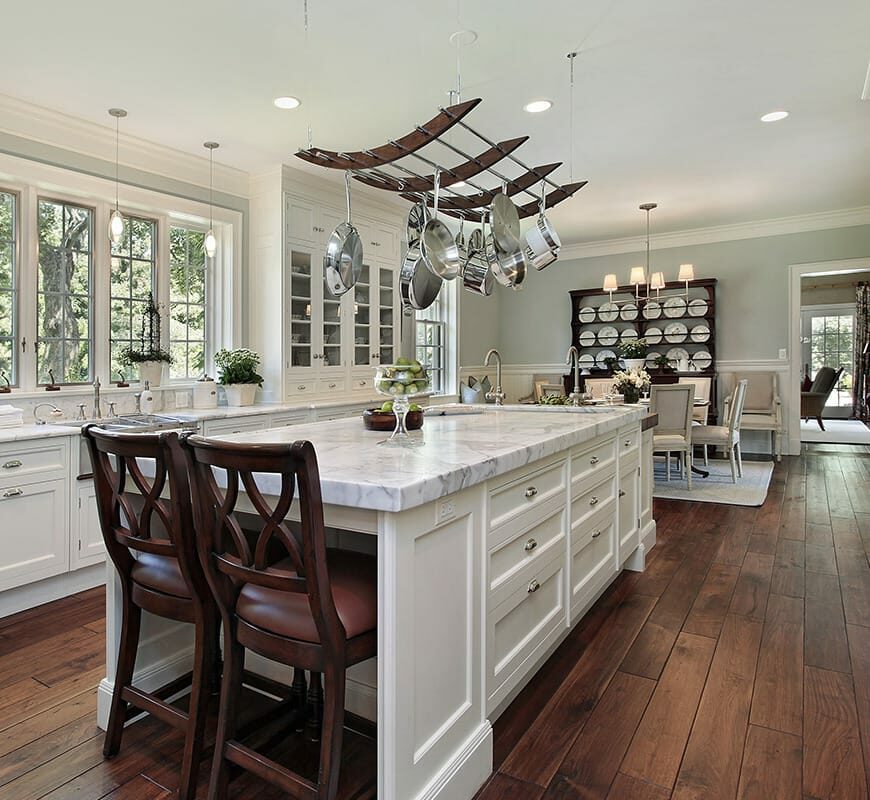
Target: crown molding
(824, 220)
(56, 129)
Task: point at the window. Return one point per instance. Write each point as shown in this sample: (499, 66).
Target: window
(63, 303)
(8, 288)
(431, 341)
(187, 302)
(132, 283)
(828, 336)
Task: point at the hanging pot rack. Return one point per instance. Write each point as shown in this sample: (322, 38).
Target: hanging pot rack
(366, 167)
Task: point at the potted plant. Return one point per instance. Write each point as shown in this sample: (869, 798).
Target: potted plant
(149, 355)
(630, 384)
(238, 375)
(662, 362)
(633, 352)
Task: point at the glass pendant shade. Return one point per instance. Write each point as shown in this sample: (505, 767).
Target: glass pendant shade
(610, 283)
(116, 226)
(687, 272)
(638, 276)
(210, 243)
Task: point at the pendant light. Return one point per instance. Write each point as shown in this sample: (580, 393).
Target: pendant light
(210, 242)
(116, 220)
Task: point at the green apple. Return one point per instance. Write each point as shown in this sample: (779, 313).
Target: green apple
(416, 367)
(387, 407)
(401, 361)
(415, 407)
(411, 388)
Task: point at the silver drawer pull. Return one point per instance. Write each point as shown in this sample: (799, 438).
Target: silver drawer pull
(530, 545)
(621, 493)
(531, 492)
(533, 587)
(331, 385)
(14, 464)
(301, 387)
(362, 383)
(594, 460)
(13, 493)
(593, 501)
(627, 442)
(596, 534)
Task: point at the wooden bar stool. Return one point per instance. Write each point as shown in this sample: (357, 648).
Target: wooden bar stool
(312, 609)
(164, 578)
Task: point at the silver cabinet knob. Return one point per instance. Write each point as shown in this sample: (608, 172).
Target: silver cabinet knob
(331, 385)
(531, 492)
(621, 493)
(596, 534)
(530, 545)
(627, 442)
(593, 501)
(533, 587)
(301, 387)
(594, 460)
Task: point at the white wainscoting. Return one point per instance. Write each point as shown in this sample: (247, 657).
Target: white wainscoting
(517, 382)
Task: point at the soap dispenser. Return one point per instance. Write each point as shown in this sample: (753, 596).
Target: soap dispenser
(146, 401)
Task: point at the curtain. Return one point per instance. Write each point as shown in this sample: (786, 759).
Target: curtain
(861, 381)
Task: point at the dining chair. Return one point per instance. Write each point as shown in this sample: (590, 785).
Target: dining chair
(306, 607)
(762, 405)
(728, 435)
(150, 541)
(674, 431)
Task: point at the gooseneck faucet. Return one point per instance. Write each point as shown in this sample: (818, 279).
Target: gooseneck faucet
(498, 395)
(574, 358)
(55, 411)
(98, 412)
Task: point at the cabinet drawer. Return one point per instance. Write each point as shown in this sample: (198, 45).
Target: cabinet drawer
(526, 492)
(598, 497)
(301, 387)
(593, 550)
(360, 384)
(538, 543)
(331, 385)
(521, 627)
(628, 440)
(290, 418)
(34, 521)
(587, 461)
(226, 427)
(33, 462)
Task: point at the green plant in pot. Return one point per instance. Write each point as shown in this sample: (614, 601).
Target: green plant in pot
(663, 363)
(148, 356)
(633, 352)
(238, 375)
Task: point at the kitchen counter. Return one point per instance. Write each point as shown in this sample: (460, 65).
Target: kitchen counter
(493, 539)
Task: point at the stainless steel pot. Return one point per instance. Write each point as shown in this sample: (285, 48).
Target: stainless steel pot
(462, 246)
(418, 285)
(477, 276)
(437, 244)
(342, 263)
(509, 268)
(542, 241)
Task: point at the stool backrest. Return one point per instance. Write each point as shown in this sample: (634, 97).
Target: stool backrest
(232, 556)
(134, 509)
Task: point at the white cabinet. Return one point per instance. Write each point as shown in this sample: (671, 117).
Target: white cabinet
(628, 509)
(86, 536)
(646, 479)
(376, 317)
(229, 426)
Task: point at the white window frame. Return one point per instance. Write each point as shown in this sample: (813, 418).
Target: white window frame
(16, 284)
(444, 313)
(826, 310)
(210, 285)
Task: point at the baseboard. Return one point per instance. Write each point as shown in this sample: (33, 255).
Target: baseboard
(466, 772)
(31, 595)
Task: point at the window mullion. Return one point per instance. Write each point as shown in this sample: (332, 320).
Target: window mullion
(27, 282)
(100, 293)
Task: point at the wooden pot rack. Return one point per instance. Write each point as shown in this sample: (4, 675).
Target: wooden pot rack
(367, 166)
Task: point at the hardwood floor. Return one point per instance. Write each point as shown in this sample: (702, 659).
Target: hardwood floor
(736, 666)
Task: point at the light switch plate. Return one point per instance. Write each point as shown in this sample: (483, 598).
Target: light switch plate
(182, 399)
(783, 354)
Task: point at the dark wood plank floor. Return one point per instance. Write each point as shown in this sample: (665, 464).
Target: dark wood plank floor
(736, 666)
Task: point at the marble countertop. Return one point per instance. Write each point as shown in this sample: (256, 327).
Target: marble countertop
(459, 451)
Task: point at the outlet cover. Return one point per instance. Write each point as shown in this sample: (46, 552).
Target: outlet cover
(446, 510)
(783, 354)
(182, 399)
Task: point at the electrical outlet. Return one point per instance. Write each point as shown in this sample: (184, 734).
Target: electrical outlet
(783, 354)
(446, 510)
(182, 399)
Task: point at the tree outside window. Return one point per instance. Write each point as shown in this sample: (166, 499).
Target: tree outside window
(831, 343)
(187, 302)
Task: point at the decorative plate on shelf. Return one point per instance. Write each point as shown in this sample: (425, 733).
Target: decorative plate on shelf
(697, 307)
(675, 354)
(586, 338)
(699, 333)
(602, 355)
(586, 314)
(628, 312)
(675, 307)
(608, 312)
(586, 361)
(653, 335)
(628, 333)
(675, 332)
(651, 356)
(652, 310)
(608, 336)
(702, 359)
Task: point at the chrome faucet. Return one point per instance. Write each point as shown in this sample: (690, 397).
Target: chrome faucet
(574, 358)
(55, 411)
(498, 395)
(98, 412)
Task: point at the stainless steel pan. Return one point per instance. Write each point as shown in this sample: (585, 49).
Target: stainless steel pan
(418, 285)
(342, 263)
(504, 222)
(418, 216)
(437, 244)
(477, 276)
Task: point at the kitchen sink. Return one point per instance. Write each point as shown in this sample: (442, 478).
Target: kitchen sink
(138, 423)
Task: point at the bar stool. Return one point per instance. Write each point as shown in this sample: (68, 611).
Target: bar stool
(312, 610)
(164, 578)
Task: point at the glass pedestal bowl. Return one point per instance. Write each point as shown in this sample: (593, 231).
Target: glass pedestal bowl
(403, 384)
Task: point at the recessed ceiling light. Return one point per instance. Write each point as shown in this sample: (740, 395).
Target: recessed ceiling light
(774, 116)
(287, 102)
(537, 106)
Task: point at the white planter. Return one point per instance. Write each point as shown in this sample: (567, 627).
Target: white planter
(634, 363)
(240, 394)
(151, 371)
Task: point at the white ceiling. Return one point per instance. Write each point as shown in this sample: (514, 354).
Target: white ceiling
(667, 94)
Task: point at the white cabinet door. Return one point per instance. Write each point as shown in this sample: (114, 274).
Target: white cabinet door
(628, 509)
(646, 478)
(300, 220)
(387, 316)
(86, 542)
(302, 284)
(34, 521)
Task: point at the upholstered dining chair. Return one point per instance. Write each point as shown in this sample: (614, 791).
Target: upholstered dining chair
(762, 409)
(149, 539)
(727, 435)
(813, 401)
(311, 609)
(674, 431)
(598, 387)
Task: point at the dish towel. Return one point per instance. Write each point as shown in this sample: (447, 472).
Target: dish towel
(11, 417)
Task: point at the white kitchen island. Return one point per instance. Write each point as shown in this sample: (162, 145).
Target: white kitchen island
(493, 539)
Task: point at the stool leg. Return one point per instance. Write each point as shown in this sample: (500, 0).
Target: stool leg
(333, 734)
(127, 647)
(231, 690)
(298, 693)
(315, 704)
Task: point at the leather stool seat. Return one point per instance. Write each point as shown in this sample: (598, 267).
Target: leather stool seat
(160, 574)
(354, 581)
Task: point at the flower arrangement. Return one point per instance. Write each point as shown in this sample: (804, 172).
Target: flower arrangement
(238, 366)
(633, 348)
(631, 383)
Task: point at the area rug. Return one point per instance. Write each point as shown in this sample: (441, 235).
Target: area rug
(837, 431)
(750, 490)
